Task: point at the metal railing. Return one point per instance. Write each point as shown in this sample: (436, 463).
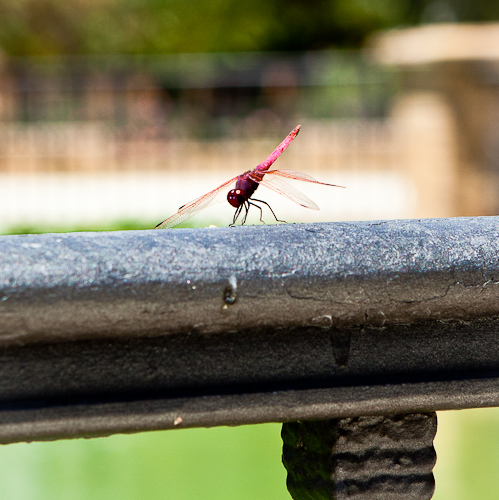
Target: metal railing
(356, 322)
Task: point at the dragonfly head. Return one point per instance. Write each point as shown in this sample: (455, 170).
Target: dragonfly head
(236, 197)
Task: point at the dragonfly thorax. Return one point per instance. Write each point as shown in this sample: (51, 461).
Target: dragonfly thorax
(245, 187)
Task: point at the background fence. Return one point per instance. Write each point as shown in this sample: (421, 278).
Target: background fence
(95, 140)
(91, 141)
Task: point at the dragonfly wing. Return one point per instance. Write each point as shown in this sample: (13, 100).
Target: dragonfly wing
(192, 208)
(282, 187)
(299, 176)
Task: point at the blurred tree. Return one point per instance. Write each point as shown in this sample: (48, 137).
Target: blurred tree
(35, 27)
(326, 23)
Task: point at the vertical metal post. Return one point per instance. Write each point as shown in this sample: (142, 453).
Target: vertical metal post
(361, 458)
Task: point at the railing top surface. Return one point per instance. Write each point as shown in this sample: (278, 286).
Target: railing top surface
(343, 274)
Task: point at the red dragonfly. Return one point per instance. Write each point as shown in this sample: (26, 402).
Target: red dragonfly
(246, 184)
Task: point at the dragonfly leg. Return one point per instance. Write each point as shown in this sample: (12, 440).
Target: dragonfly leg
(246, 206)
(270, 208)
(236, 215)
(259, 208)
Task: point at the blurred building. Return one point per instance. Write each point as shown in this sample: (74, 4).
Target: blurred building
(449, 77)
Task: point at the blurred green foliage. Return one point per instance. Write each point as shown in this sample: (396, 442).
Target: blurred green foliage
(242, 463)
(467, 444)
(41, 27)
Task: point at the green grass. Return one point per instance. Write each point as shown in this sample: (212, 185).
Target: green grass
(241, 463)
(123, 225)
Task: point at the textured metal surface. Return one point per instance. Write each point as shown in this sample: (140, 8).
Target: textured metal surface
(362, 458)
(127, 331)
(73, 286)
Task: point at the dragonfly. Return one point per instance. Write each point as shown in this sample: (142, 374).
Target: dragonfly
(241, 196)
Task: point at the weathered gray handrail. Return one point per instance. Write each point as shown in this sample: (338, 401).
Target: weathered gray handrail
(128, 331)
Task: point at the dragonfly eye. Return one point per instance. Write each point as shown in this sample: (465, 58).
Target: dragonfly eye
(236, 197)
